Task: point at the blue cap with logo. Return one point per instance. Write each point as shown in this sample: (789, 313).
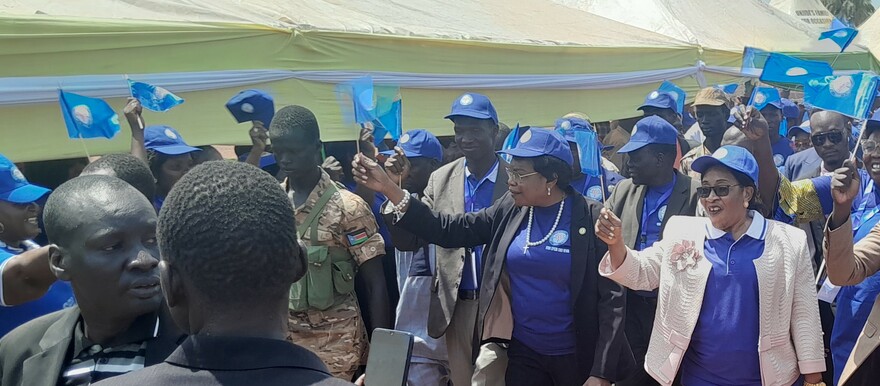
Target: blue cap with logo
(790, 109)
(14, 187)
(804, 126)
(419, 143)
(650, 130)
(874, 121)
(475, 106)
(660, 100)
(252, 105)
(731, 157)
(166, 140)
(536, 142)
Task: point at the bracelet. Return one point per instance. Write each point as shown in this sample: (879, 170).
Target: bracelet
(398, 213)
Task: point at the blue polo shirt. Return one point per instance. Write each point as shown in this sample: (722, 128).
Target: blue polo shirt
(591, 187)
(724, 346)
(854, 303)
(477, 196)
(781, 151)
(540, 284)
(59, 296)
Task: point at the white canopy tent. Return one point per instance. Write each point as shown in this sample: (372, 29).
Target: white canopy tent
(811, 12)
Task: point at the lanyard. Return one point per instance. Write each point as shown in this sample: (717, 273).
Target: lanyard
(865, 217)
(646, 214)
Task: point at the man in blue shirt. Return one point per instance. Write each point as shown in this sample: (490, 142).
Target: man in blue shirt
(18, 225)
(644, 203)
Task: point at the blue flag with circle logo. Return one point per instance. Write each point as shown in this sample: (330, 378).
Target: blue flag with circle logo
(356, 100)
(763, 96)
(782, 68)
(850, 95)
(87, 117)
(581, 133)
(840, 33)
(153, 97)
(729, 88)
(510, 143)
(676, 92)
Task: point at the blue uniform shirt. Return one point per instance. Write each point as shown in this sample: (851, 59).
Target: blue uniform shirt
(653, 212)
(540, 284)
(854, 303)
(724, 346)
(477, 196)
(781, 151)
(591, 187)
(60, 296)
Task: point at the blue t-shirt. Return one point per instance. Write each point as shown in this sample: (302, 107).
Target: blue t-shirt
(781, 151)
(724, 347)
(591, 187)
(59, 296)
(477, 196)
(540, 282)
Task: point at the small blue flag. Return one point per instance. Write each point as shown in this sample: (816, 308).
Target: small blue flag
(153, 97)
(787, 69)
(510, 143)
(850, 95)
(729, 88)
(389, 123)
(676, 92)
(87, 117)
(840, 33)
(753, 61)
(588, 152)
(763, 96)
(356, 100)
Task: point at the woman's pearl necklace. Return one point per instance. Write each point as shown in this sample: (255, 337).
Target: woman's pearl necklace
(549, 234)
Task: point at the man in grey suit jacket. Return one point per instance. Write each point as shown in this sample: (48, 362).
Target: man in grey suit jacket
(644, 203)
(466, 185)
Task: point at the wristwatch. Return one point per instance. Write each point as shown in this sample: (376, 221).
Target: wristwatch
(814, 384)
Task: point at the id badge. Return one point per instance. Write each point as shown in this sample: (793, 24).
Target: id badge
(828, 292)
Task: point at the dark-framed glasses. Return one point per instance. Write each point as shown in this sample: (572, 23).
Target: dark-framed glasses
(819, 139)
(720, 191)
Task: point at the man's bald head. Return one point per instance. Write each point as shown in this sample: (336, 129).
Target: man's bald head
(87, 198)
(734, 136)
(823, 120)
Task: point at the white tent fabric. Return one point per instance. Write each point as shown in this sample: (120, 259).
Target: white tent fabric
(869, 34)
(738, 23)
(508, 21)
(811, 12)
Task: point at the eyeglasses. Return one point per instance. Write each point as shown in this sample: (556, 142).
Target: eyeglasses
(720, 191)
(868, 146)
(834, 136)
(516, 177)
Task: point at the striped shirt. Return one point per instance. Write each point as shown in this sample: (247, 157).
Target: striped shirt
(93, 362)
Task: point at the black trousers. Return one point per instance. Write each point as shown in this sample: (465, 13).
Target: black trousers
(640, 312)
(525, 367)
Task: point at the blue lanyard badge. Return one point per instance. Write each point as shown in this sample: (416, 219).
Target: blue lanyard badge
(863, 216)
(647, 213)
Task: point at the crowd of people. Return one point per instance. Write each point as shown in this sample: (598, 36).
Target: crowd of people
(711, 248)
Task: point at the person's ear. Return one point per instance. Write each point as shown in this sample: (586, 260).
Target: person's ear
(58, 262)
(172, 286)
(750, 193)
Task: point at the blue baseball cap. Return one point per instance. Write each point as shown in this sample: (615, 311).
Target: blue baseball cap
(14, 187)
(660, 100)
(650, 130)
(252, 105)
(790, 109)
(267, 159)
(419, 143)
(804, 126)
(475, 106)
(731, 157)
(874, 121)
(536, 142)
(166, 140)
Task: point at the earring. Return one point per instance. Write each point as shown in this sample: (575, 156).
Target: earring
(548, 190)
(746, 205)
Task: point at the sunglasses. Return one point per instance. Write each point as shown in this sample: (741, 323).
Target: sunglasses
(868, 146)
(834, 136)
(720, 191)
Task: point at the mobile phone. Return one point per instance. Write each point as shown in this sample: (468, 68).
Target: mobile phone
(390, 353)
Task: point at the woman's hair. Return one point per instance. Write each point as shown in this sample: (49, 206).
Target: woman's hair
(745, 181)
(553, 168)
(156, 160)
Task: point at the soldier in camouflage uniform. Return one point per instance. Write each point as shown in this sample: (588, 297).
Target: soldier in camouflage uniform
(341, 234)
(712, 106)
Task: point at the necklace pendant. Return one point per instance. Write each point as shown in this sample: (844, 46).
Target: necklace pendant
(526, 249)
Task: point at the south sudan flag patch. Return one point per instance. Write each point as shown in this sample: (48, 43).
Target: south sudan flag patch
(357, 237)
